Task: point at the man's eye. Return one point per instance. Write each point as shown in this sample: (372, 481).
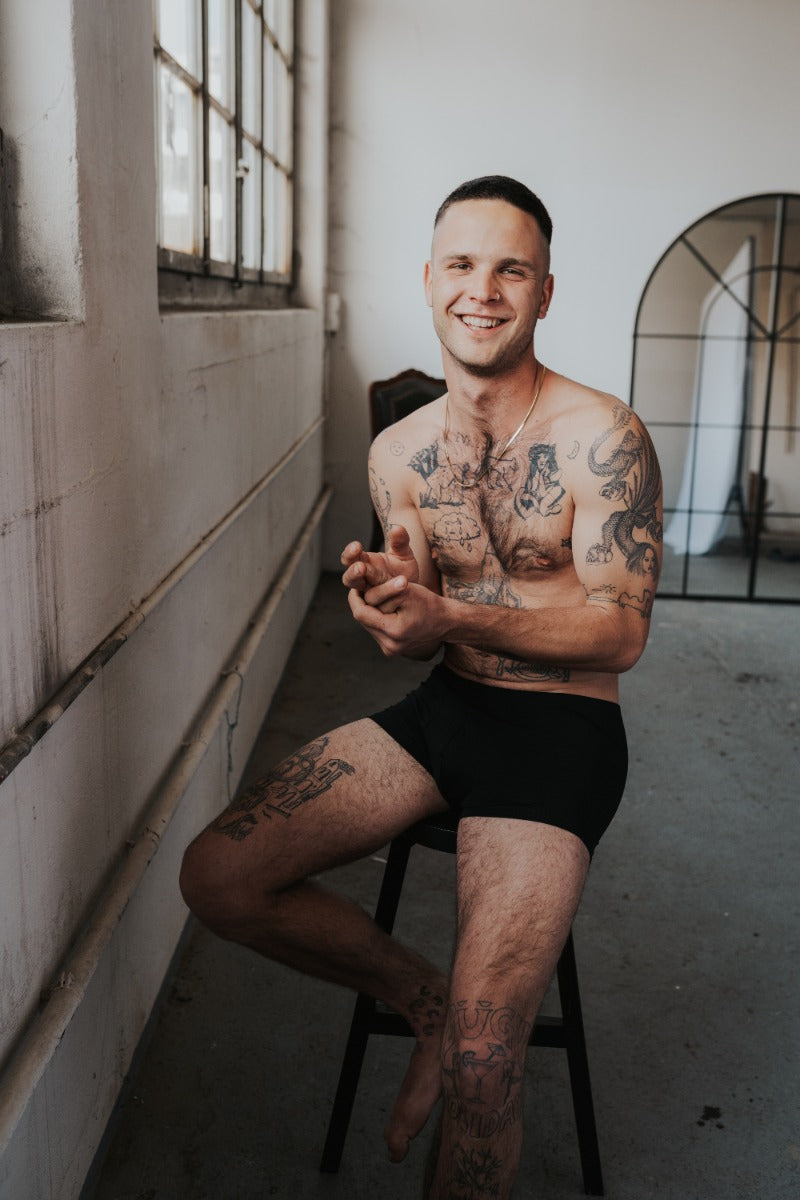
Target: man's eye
(460, 266)
(513, 271)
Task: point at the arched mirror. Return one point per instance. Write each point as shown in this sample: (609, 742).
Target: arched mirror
(716, 378)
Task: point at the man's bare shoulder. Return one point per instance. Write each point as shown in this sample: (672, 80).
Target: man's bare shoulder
(412, 433)
(586, 405)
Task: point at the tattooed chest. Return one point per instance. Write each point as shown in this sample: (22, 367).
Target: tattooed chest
(510, 517)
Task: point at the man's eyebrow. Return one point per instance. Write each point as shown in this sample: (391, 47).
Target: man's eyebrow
(517, 262)
(463, 255)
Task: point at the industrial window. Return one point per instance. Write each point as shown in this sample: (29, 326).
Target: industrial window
(224, 80)
(716, 377)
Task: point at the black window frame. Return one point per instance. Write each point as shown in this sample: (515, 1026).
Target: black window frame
(198, 280)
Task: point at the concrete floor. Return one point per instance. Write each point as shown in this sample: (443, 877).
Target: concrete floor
(687, 944)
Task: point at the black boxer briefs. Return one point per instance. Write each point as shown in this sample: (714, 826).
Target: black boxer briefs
(506, 752)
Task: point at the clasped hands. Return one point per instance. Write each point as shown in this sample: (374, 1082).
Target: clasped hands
(386, 598)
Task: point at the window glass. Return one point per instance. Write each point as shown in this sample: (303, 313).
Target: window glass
(251, 70)
(251, 207)
(225, 139)
(717, 380)
(220, 52)
(221, 189)
(178, 176)
(178, 32)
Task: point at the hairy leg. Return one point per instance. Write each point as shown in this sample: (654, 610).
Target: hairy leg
(519, 884)
(246, 876)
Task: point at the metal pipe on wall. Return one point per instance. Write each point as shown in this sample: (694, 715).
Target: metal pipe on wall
(62, 1003)
(34, 730)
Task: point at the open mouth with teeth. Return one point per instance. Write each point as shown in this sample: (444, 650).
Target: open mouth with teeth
(473, 322)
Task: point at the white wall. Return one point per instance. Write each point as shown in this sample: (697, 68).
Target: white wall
(630, 119)
(137, 447)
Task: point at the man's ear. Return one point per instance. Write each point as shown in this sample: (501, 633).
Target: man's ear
(547, 296)
(428, 280)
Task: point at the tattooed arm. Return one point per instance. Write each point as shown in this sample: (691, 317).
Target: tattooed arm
(616, 489)
(406, 554)
(406, 549)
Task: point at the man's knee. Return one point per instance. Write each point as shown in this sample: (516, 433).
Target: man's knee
(218, 894)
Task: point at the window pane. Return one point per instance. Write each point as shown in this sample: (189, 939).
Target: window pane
(269, 133)
(251, 208)
(179, 165)
(179, 32)
(270, 224)
(279, 18)
(284, 217)
(277, 220)
(251, 71)
(778, 575)
(222, 185)
(220, 51)
(282, 99)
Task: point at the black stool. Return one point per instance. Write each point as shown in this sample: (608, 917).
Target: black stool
(566, 1031)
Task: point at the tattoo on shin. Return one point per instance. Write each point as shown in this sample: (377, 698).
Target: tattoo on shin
(298, 779)
(483, 1057)
(476, 1174)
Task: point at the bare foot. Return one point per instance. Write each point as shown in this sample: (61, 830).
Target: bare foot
(422, 1085)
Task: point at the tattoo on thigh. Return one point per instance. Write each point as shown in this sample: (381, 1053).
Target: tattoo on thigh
(298, 779)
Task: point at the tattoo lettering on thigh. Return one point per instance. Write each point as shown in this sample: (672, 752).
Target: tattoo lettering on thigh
(298, 779)
(633, 477)
(482, 1056)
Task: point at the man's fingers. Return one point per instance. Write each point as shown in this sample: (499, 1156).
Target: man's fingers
(351, 552)
(354, 576)
(398, 542)
(387, 596)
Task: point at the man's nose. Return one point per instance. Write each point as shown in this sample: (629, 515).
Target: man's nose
(484, 287)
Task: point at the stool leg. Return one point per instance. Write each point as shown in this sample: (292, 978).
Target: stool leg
(578, 1063)
(363, 1012)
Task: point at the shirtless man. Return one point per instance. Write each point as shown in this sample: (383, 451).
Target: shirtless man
(523, 535)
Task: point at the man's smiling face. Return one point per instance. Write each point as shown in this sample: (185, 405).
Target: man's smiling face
(488, 283)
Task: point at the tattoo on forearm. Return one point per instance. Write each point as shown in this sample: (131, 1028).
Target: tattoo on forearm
(493, 587)
(633, 477)
(298, 779)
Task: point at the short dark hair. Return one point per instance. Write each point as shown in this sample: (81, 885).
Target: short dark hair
(500, 187)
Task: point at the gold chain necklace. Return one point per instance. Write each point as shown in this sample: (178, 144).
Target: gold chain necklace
(461, 482)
